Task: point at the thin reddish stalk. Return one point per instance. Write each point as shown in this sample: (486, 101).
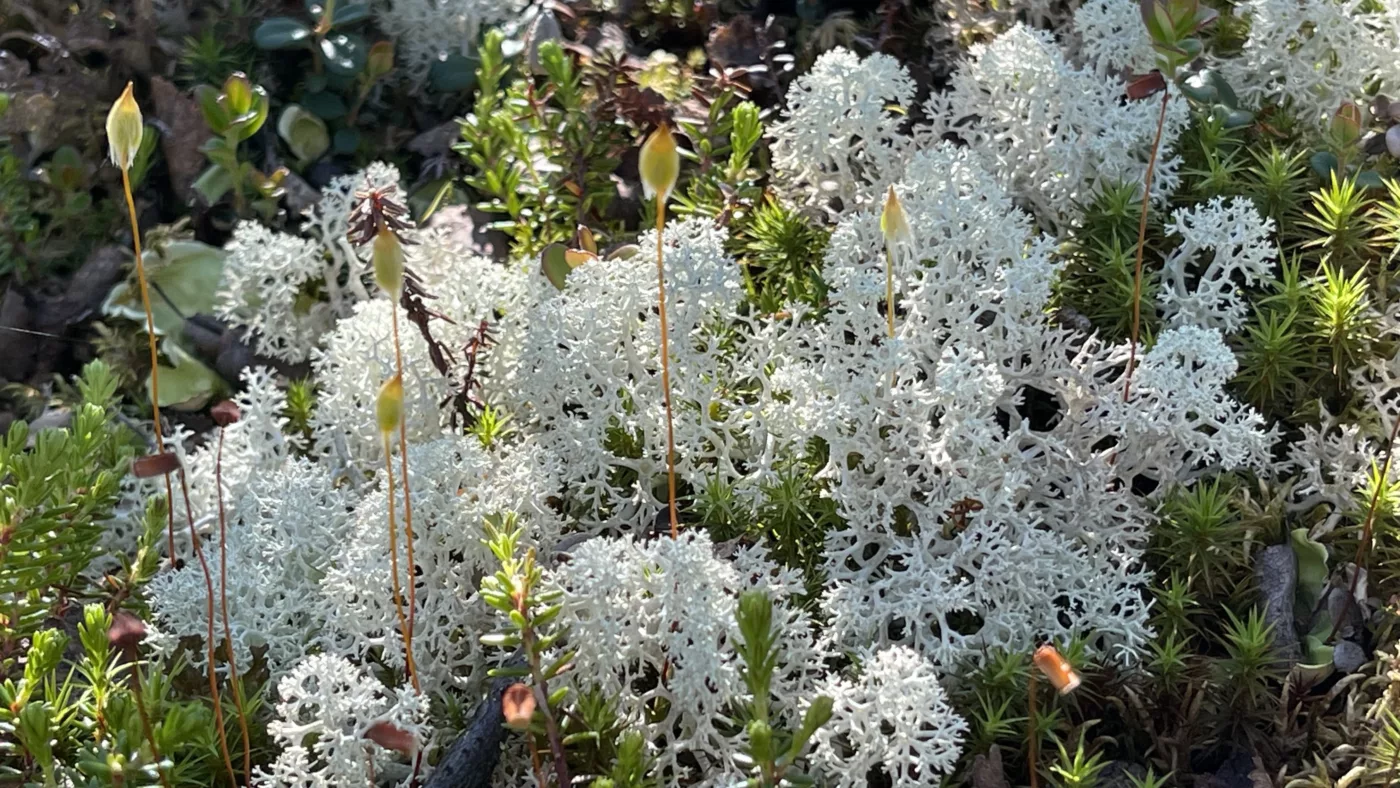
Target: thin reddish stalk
(407, 509)
(1363, 547)
(394, 563)
(160, 438)
(151, 342)
(209, 637)
(541, 690)
(535, 763)
(889, 302)
(1033, 739)
(1141, 242)
(666, 368)
(223, 609)
(146, 720)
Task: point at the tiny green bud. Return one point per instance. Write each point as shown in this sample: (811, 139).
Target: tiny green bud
(761, 740)
(660, 163)
(388, 262)
(124, 129)
(818, 714)
(388, 408)
(893, 223)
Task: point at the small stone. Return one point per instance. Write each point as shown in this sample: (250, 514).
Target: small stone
(1347, 656)
(1121, 774)
(987, 771)
(1276, 569)
(186, 132)
(437, 140)
(16, 357)
(544, 29)
(1392, 141)
(298, 194)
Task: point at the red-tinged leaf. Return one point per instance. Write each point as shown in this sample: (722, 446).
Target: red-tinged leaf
(1151, 83)
(518, 704)
(584, 240)
(577, 257)
(153, 465)
(225, 413)
(1346, 123)
(391, 737)
(1146, 7)
(1204, 17)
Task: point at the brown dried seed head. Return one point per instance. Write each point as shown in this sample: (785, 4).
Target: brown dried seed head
(153, 465)
(225, 413)
(127, 631)
(1056, 668)
(518, 703)
(391, 737)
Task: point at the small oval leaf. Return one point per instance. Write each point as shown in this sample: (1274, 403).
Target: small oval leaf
(346, 141)
(554, 262)
(1370, 179)
(305, 134)
(281, 32)
(345, 54)
(1323, 162)
(325, 105)
(345, 13)
(454, 73)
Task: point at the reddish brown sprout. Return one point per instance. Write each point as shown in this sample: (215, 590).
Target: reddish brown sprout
(374, 209)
